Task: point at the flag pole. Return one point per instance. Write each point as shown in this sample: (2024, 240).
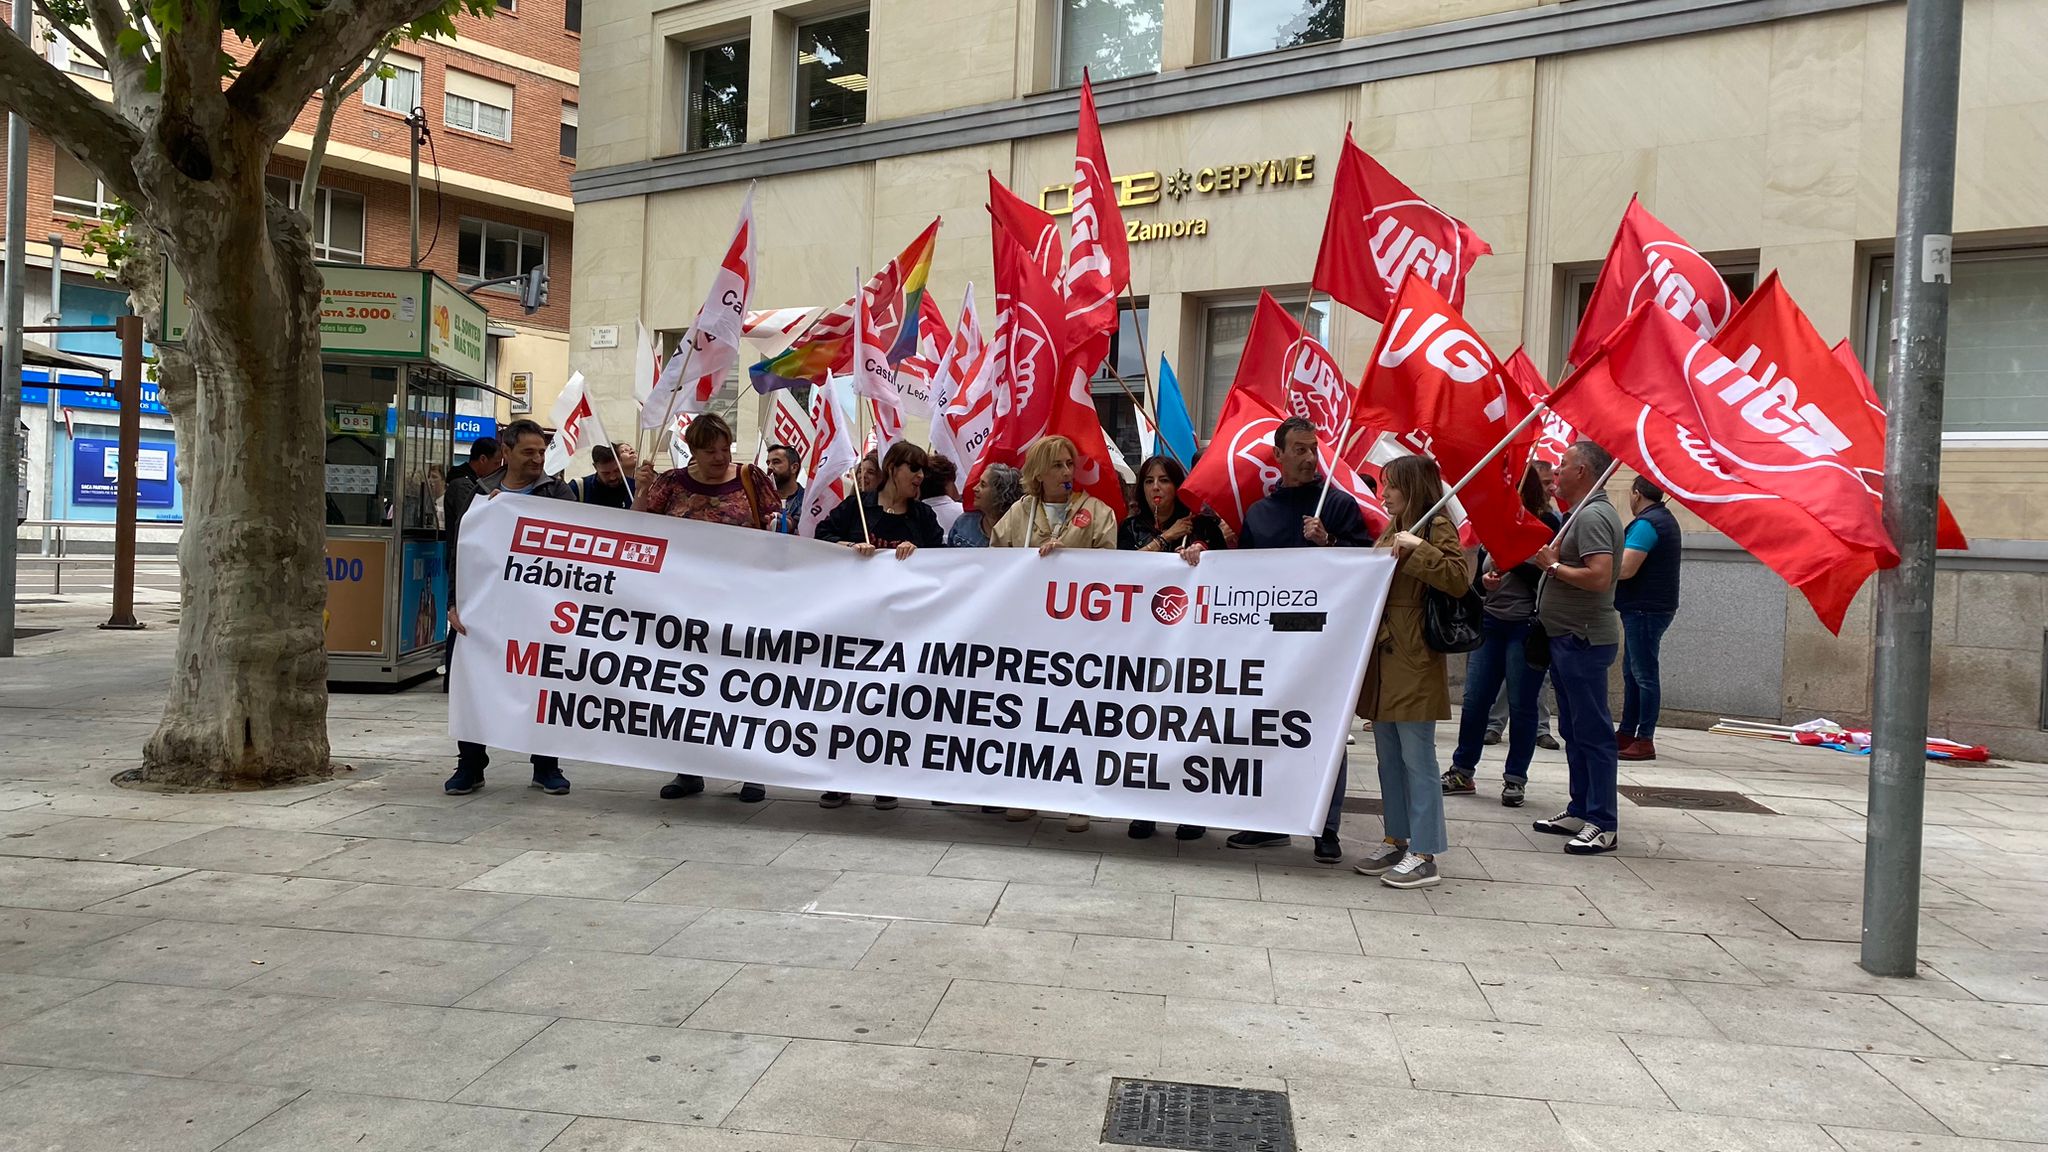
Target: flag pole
(1535, 411)
(1599, 485)
(1145, 366)
(860, 408)
(683, 377)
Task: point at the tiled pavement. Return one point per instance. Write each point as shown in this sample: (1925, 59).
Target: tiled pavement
(368, 964)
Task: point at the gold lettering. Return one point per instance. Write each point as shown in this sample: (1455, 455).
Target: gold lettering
(1238, 174)
(1065, 193)
(1304, 168)
(1131, 229)
(1259, 171)
(1137, 189)
(1201, 228)
(1205, 180)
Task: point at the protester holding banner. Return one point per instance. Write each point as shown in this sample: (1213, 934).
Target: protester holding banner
(941, 490)
(524, 462)
(998, 489)
(1647, 598)
(1050, 516)
(1575, 604)
(892, 516)
(713, 489)
(1302, 512)
(1501, 659)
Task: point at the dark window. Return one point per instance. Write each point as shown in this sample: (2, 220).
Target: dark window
(487, 250)
(508, 5)
(568, 131)
(1266, 25)
(1113, 400)
(572, 16)
(832, 73)
(716, 114)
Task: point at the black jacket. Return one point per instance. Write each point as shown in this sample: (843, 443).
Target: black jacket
(1139, 528)
(917, 524)
(1275, 522)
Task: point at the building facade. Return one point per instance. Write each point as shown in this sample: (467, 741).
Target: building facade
(1766, 133)
(500, 107)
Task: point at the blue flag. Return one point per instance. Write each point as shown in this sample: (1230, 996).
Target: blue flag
(1176, 430)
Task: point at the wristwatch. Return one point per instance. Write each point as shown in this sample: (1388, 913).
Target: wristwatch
(1554, 566)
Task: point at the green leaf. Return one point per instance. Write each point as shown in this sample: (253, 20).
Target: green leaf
(131, 42)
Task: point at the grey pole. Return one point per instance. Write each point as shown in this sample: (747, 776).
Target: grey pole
(1912, 461)
(55, 405)
(10, 354)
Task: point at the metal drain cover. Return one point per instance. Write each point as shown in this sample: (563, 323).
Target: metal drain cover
(1198, 1117)
(1370, 805)
(1693, 799)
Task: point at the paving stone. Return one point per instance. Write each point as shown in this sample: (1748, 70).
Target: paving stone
(589, 875)
(69, 885)
(179, 952)
(1629, 952)
(791, 938)
(416, 862)
(910, 897)
(1600, 1003)
(441, 825)
(1842, 921)
(1376, 984)
(1162, 967)
(593, 1135)
(1019, 865)
(2003, 931)
(23, 996)
(1102, 911)
(339, 1122)
(249, 850)
(822, 1004)
(144, 1028)
(1181, 877)
(1206, 1038)
(706, 843)
(1534, 903)
(618, 986)
(399, 910)
(1329, 887)
(597, 925)
(1832, 967)
(1871, 1140)
(1412, 936)
(1065, 1101)
(29, 937)
(740, 886)
(396, 968)
(379, 1049)
(629, 1072)
(1058, 1023)
(1813, 1019)
(12, 1074)
(1776, 1083)
(226, 898)
(873, 854)
(1516, 864)
(1344, 1113)
(1299, 927)
(112, 1112)
(97, 838)
(1993, 1101)
(1663, 912)
(945, 1099)
(1523, 1060)
(573, 831)
(970, 952)
(2001, 1033)
(1605, 1128)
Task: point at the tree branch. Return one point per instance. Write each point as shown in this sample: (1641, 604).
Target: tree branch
(91, 51)
(339, 88)
(129, 72)
(193, 121)
(286, 71)
(85, 126)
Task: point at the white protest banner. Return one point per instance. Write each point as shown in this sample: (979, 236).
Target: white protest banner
(1116, 684)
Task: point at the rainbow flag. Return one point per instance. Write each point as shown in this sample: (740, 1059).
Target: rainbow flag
(892, 295)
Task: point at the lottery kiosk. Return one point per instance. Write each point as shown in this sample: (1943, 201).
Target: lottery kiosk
(401, 349)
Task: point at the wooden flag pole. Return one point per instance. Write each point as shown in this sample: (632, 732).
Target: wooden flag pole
(860, 407)
(683, 378)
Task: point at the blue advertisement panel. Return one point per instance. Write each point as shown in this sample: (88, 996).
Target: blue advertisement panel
(95, 470)
(422, 596)
(73, 392)
(467, 428)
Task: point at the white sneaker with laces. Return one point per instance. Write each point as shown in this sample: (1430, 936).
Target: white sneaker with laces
(1591, 841)
(1412, 872)
(1562, 824)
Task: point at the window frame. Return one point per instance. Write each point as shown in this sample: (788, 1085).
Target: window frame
(1220, 35)
(796, 68)
(570, 117)
(1873, 340)
(465, 279)
(66, 58)
(473, 127)
(71, 206)
(1573, 278)
(575, 6)
(1059, 50)
(323, 220)
(418, 85)
(690, 70)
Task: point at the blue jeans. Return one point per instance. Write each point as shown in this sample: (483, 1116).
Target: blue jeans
(1410, 790)
(1579, 670)
(1499, 658)
(1642, 696)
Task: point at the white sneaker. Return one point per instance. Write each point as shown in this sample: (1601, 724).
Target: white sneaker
(1562, 824)
(1412, 872)
(1591, 841)
(1077, 823)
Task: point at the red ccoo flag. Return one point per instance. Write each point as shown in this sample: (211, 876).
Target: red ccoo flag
(1649, 262)
(1868, 456)
(1619, 399)
(1378, 231)
(1238, 468)
(1431, 374)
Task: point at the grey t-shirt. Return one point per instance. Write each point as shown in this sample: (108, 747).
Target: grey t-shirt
(1575, 611)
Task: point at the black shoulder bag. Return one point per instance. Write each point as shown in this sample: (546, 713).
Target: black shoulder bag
(1452, 624)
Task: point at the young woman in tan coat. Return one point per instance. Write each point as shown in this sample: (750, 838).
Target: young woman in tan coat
(1406, 689)
(1051, 516)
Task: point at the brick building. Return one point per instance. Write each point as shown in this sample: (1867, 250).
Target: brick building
(500, 109)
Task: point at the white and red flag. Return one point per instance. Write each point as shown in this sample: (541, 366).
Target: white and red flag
(789, 423)
(1649, 262)
(1098, 254)
(576, 425)
(1029, 334)
(1554, 432)
(1379, 231)
(712, 345)
(963, 399)
(830, 460)
(646, 364)
(1238, 468)
(1291, 372)
(1868, 450)
(1432, 374)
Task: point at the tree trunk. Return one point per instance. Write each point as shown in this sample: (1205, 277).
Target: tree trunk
(248, 698)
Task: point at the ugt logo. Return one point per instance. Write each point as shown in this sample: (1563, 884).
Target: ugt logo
(1684, 284)
(1401, 244)
(1768, 401)
(1170, 605)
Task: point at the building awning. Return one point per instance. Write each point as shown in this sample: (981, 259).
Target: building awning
(500, 331)
(44, 356)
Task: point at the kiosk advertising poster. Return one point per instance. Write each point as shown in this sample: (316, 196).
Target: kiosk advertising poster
(96, 470)
(355, 595)
(422, 596)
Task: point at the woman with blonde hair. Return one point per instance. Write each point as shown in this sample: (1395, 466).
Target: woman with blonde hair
(1050, 516)
(1406, 689)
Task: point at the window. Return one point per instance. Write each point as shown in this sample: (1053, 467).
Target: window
(1578, 296)
(66, 56)
(568, 131)
(1250, 26)
(79, 191)
(1109, 38)
(572, 16)
(1224, 331)
(400, 91)
(1113, 400)
(832, 72)
(488, 250)
(1997, 363)
(474, 104)
(715, 99)
(508, 5)
(338, 219)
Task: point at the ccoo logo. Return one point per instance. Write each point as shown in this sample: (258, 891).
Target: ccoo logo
(1170, 605)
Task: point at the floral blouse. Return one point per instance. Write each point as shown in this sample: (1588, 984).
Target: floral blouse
(677, 493)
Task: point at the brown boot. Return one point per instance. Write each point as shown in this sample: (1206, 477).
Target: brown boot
(1637, 749)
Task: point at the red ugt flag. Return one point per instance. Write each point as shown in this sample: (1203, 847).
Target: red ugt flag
(1291, 372)
(1099, 259)
(1554, 432)
(1618, 399)
(1431, 374)
(1027, 224)
(1378, 231)
(1029, 334)
(1238, 468)
(1649, 262)
(1869, 451)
